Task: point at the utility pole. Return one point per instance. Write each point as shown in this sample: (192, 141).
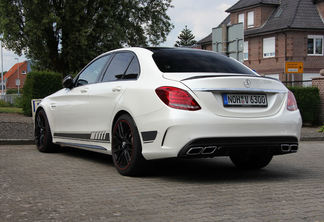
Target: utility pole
(2, 88)
(18, 80)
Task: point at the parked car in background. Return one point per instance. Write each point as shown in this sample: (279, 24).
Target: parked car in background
(140, 104)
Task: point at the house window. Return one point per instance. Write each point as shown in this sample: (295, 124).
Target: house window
(241, 18)
(315, 45)
(23, 72)
(269, 47)
(250, 21)
(246, 50)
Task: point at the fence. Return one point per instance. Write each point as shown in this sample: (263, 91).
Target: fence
(9, 98)
(304, 83)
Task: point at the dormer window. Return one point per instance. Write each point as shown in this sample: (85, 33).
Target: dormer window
(250, 19)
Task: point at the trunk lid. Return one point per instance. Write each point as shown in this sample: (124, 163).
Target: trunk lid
(213, 90)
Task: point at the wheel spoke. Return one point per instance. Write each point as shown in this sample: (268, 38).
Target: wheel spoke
(117, 149)
(117, 138)
(121, 130)
(119, 158)
(38, 121)
(41, 139)
(127, 156)
(129, 149)
(128, 142)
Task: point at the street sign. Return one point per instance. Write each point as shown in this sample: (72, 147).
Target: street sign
(34, 104)
(294, 67)
(17, 82)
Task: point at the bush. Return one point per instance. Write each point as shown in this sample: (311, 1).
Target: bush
(14, 91)
(18, 102)
(308, 101)
(4, 103)
(38, 85)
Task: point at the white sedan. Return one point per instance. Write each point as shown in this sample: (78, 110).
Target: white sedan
(140, 104)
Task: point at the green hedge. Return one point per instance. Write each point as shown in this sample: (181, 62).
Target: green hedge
(4, 103)
(38, 85)
(14, 91)
(308, 101)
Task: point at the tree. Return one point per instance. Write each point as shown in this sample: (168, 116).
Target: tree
(63, 36)
(186, 38)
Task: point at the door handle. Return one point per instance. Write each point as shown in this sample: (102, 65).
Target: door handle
(84, 90)
(53, 106)
(116, 89)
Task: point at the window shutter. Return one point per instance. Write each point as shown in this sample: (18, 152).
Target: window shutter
(250, 19)
(269, 47)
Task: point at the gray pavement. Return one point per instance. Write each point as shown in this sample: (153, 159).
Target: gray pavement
(311, 134)
(75, 185)
(16, 129)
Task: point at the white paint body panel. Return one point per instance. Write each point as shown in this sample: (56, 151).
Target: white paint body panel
(93, 107)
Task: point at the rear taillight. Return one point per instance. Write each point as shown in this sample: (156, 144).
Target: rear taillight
(291, 103)
(177, 98)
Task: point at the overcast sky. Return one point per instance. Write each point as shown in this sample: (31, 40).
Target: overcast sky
(9, 59)
(200, 17)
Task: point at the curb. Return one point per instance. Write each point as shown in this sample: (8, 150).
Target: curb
(16, 141)
(312, 139)
(31, 141)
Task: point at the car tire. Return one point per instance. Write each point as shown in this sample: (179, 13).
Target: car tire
(251, 159)
(127, 147)
(43, 135)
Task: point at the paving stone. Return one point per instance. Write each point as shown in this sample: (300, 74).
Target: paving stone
(76, 185)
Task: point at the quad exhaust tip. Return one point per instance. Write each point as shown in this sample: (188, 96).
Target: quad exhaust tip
(286, 148)
(202, 150)
(209, 150)
(194, 151)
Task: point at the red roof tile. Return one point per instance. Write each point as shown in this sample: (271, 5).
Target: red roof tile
(12, 70)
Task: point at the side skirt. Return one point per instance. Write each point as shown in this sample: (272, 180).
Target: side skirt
(94, 148)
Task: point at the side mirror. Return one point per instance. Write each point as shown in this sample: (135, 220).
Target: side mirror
(68, 82)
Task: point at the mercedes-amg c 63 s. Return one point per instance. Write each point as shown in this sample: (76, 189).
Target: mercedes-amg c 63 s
(140, 104)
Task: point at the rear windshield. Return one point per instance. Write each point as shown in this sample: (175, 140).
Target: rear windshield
(191, 60)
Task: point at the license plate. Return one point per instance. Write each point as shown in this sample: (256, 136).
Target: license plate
(255, 100)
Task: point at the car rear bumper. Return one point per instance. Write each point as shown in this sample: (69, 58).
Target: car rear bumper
(177, 134)
(211, 147)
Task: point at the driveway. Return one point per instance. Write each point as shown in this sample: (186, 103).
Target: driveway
(76, 185)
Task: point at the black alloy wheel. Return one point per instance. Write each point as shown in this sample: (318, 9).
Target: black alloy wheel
(126, 147)
(43, 136)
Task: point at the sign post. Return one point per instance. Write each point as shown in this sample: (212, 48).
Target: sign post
(34, 104)
(293, 68)
(2, 82)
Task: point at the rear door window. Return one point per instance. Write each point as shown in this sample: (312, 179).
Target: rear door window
(133, 69)
(122, 66)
